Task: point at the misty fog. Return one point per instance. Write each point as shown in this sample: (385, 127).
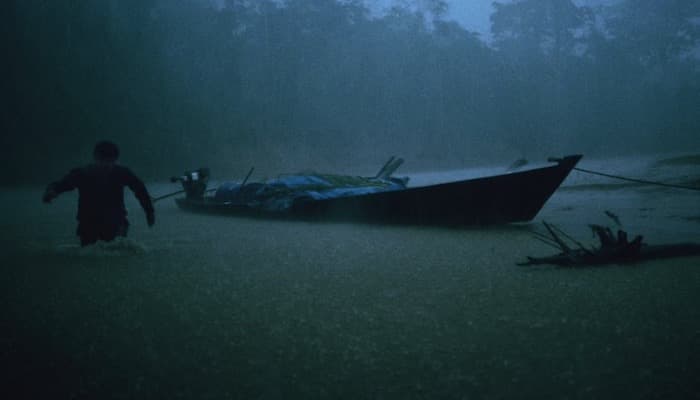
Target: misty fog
(213, 307)
(298, 84)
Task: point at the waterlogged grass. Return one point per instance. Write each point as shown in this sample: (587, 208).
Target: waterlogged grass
(205, 307)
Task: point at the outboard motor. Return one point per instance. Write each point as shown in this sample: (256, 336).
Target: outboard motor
(193, 182)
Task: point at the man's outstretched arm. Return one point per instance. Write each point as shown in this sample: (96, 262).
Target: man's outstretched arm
(141, 193)
(67, 183)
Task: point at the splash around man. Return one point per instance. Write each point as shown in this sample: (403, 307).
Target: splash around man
(101, 211)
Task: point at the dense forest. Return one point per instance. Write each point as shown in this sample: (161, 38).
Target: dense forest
(329, 84)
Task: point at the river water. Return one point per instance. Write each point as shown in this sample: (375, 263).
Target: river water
(211, 307)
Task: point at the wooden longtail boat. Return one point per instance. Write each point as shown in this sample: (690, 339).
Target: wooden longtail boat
(514, 196)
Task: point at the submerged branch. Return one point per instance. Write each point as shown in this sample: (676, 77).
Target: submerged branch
(613, 249)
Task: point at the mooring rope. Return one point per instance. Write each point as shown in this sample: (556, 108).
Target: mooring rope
(623, 178)
(165, 196)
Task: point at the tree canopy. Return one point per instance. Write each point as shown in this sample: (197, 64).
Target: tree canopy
(323, 83)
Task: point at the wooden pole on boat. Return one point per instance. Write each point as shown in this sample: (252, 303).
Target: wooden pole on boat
(384, 167)
(247, 176)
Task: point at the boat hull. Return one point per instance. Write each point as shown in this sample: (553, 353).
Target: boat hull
(511, 197)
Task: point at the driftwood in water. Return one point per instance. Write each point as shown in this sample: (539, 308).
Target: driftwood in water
(613, 249)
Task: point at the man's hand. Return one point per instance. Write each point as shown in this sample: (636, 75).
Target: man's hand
(49, 195)
(151, 219)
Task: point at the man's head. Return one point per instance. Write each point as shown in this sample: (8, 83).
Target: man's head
(106, 152)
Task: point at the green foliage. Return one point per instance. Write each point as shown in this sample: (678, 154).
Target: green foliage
(319, 83)
(531, 27)
(655, 32)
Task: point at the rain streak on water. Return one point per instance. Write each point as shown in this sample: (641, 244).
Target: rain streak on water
(211, 307)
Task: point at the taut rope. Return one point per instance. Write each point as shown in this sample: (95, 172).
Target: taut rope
(671, 185)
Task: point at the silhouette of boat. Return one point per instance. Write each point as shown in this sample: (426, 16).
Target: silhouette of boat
(512, 196)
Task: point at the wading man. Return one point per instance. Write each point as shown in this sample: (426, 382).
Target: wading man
(101, 211)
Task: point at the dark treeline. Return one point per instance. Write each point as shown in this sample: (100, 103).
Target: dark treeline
(319, 83)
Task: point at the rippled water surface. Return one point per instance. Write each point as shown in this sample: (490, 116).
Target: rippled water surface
(212, 307)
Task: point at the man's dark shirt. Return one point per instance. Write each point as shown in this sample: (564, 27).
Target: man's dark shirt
(101, 193)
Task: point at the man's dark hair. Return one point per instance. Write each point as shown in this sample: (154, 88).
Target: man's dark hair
(106, 151)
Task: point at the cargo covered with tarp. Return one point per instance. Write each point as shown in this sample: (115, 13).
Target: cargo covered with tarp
(278, 194)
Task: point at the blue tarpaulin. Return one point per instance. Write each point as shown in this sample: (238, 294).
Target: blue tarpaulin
(279, 193)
